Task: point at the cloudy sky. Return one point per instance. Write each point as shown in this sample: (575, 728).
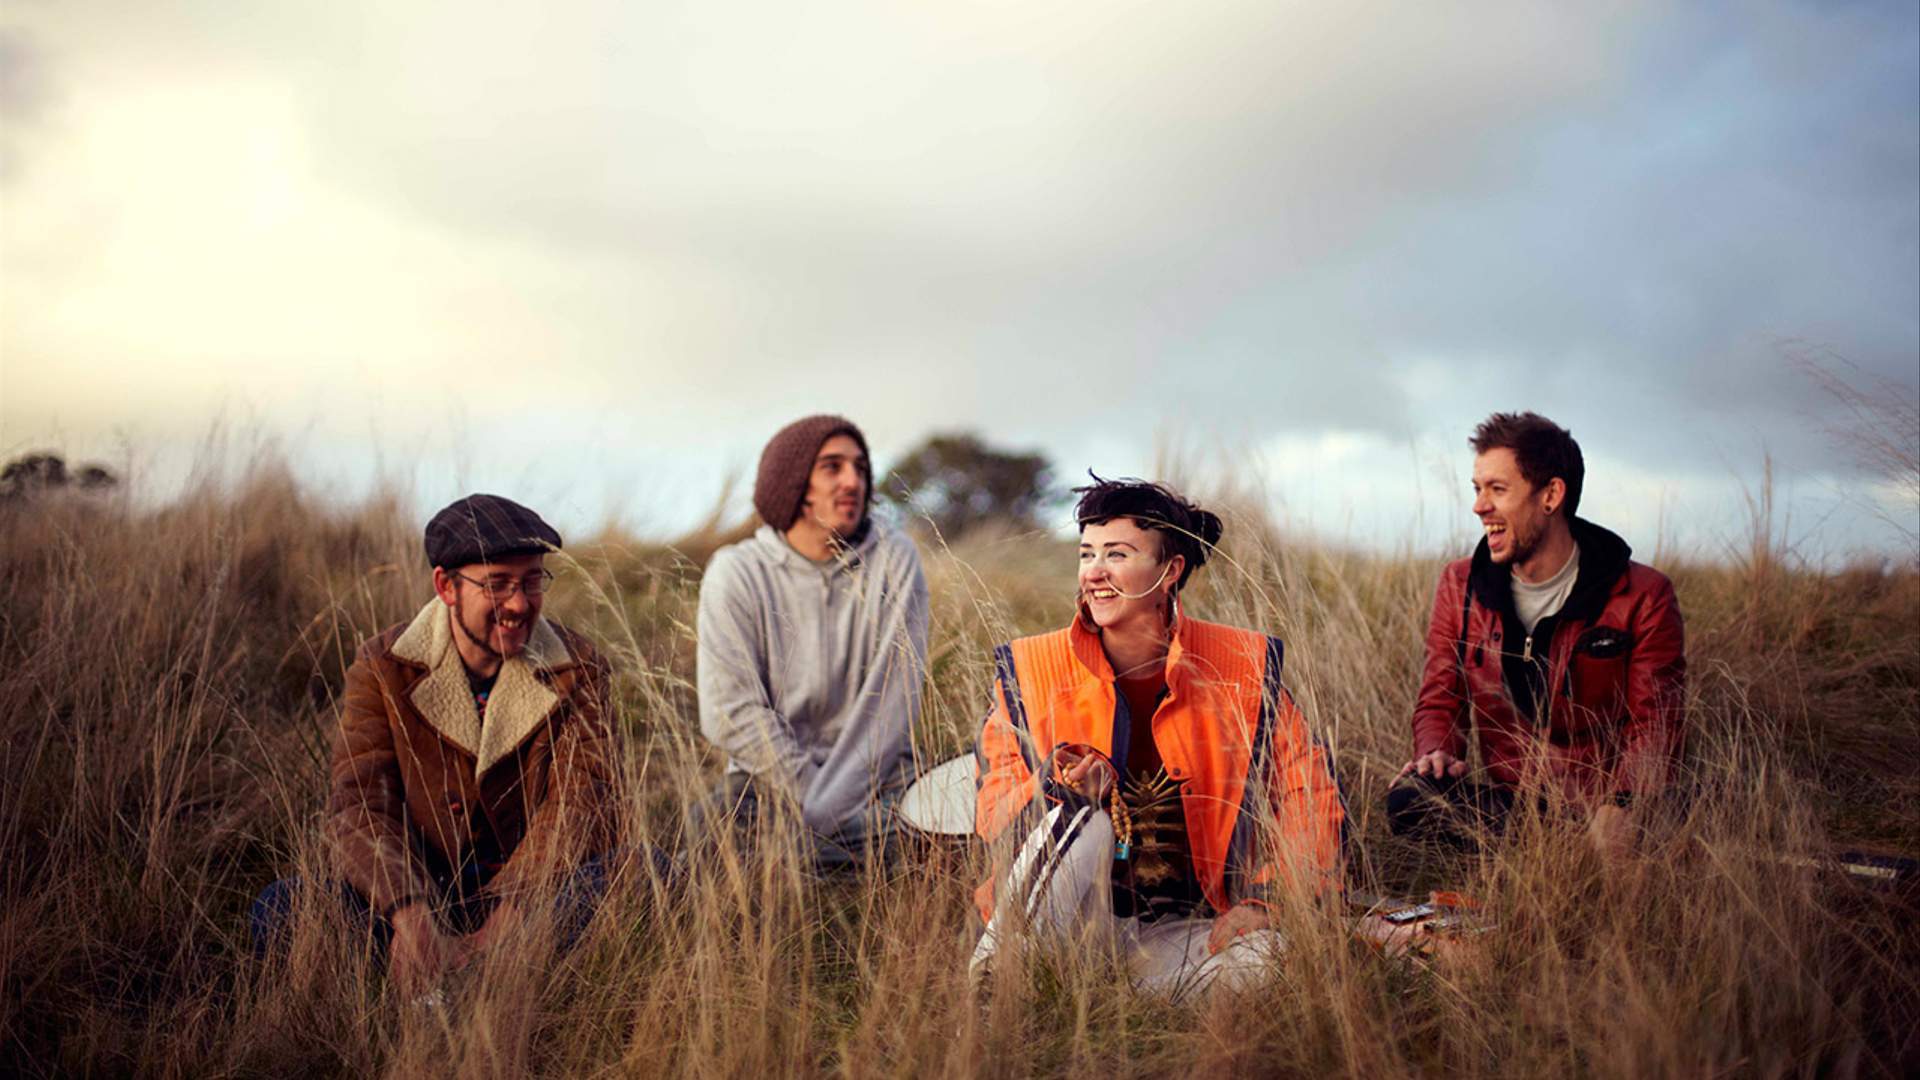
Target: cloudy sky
(592, 255)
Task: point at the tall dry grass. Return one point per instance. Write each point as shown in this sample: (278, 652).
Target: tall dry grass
(167, 692)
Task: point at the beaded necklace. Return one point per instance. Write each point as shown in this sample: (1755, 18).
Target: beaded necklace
(1122, 824)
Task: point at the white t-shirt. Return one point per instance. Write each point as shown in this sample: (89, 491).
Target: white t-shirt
(1536, 602)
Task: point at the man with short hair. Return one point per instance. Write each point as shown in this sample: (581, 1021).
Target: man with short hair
(812, 647)
(474, 775)
(1565, 655)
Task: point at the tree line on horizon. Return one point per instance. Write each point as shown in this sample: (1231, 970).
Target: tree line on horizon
(953, 481)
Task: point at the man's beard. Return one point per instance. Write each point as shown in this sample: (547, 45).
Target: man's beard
(460, 619)
(825, 519)
(1524, 545)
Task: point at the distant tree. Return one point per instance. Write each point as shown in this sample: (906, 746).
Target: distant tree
(35, 470)
(957, 482)
(31, 474)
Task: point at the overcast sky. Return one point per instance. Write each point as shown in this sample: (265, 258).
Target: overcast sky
(593, 255)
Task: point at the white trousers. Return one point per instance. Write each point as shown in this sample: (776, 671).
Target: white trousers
(1059, 890)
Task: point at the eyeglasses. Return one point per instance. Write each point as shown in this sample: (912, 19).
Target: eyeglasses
(501, 589)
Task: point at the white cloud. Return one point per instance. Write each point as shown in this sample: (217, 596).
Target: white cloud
(1338, 233)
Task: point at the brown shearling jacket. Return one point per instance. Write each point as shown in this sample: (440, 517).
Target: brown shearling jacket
(424, 786)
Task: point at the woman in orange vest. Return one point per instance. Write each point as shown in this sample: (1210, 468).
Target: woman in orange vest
(1145, 777)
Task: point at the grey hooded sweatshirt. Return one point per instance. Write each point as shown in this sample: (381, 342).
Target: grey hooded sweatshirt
(810, 673)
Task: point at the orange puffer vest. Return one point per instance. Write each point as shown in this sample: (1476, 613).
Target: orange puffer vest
(1257, 791)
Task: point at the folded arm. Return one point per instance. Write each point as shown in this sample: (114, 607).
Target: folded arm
(1440, 710)
(1308, 814)
(366, 806)
(1656, 696)
(736, 708)
(1006, 787)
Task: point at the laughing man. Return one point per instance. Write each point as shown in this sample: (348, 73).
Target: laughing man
(1565, 655)
(812, 648)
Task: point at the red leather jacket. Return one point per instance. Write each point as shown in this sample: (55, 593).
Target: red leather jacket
(1591, 702)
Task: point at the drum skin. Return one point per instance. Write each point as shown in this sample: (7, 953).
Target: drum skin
(940, 802)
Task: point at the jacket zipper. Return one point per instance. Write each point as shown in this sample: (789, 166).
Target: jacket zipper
(1526, 649)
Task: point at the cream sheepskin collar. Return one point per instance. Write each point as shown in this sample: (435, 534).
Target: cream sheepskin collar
(521, 699)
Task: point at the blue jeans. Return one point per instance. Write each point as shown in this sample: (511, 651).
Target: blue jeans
(464, 909)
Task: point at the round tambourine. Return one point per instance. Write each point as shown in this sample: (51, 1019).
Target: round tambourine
(940, 802)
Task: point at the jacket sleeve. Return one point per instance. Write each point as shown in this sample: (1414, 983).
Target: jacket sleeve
(1006, 784)
(579, 816)
(731, 664)
(1656, 695)
(366, 827)
(1440, 710)
(1309, 815)
(876, 739)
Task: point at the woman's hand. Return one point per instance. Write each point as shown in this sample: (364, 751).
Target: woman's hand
(1085, 770)
(1239, 919)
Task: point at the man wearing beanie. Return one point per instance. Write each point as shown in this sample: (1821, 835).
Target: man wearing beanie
(812, 650)
(473, 772)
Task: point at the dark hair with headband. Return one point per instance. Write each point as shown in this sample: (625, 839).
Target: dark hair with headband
(1184, 528)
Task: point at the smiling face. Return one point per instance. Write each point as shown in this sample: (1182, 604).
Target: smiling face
(493, 619)
(1123, 580)
(1513, 513)
(837, 487)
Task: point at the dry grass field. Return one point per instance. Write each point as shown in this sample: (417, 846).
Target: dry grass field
(168, 683)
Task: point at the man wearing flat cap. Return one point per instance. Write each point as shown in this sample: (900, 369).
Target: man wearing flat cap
(473, 775)
(812, 648)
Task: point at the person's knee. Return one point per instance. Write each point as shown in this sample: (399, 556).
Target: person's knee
(635, 871)
(1090, 835)
(272, 914)
(639, 864)
(875, 835)
(1247, 962)
(1251, 953)
(1061, 855)
(730, 803)
(1409, 803)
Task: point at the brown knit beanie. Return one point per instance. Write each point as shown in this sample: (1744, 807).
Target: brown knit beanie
(787, 462)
